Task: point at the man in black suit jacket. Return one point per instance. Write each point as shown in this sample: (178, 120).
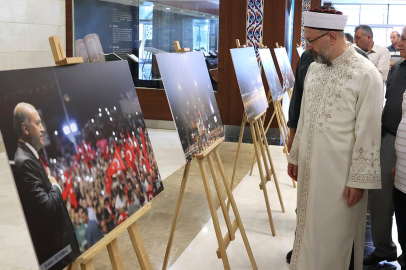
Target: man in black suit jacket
(48, 221)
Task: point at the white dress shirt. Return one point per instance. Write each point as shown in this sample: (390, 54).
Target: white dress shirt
(37, 156)
(380, 57)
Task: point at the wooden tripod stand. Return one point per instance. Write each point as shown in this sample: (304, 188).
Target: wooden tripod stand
(110, 241)
(282, 124)
(261, 150)
(209, 154)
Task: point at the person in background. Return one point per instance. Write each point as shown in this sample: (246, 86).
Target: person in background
(349, 38)
(80, 230)
(399, 175)
(93, 233)
(393, 195)
(381, 201)
(394, 49)
(379, 56)
(394, 38)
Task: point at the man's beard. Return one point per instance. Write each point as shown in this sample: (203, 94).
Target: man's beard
(322, 57)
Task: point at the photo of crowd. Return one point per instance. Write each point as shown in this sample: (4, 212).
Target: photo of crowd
(249, 81)
(191, 99)
(107, 173)
(95, 147)
(271, 74)
(285, 68)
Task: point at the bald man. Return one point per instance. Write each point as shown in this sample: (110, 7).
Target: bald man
(51, 229)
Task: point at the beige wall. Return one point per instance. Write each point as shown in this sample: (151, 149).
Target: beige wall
(25, 26)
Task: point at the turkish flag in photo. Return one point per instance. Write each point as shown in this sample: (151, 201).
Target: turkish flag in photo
(129, 156)
(116, 164)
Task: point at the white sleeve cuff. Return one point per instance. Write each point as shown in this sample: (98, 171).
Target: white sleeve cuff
(55, 184)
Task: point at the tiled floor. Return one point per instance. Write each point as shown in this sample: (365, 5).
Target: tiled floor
(195, 242)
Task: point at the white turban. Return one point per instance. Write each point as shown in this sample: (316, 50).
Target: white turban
(328, 21)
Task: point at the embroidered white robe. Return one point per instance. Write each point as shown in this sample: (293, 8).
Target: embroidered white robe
(336, 145)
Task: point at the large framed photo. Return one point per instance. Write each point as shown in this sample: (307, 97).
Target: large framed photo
(270, 73)
(80, 154)
(191, 99)
(285, 68)
(249, 81)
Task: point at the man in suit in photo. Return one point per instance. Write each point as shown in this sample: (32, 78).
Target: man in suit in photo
(47, 218)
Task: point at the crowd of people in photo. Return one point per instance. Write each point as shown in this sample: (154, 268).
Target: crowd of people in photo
(106, 173)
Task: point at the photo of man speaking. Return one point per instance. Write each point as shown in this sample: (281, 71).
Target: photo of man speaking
(51, 229)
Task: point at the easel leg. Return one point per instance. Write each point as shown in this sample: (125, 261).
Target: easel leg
(263, 181)
(175, 217)
(88, 266)
(235, 210)
(221, 200)
(237, 155)
(285, 129)
(285, 125)
(282, 132)
(261, 128)
(261, 142)
(214, 217)
(139, 247)
(115, 255)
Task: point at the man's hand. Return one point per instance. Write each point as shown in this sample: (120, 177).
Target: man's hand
(354, 195)
(292, 171)
(393, 172)
(52, 179)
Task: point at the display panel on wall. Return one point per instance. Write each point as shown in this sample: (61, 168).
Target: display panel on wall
(145, 29)
(249, 81)
(191, 98)
(80, 154)
(285, 68)
(271, 74)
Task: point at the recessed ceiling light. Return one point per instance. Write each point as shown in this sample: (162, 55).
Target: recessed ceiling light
(168, 8)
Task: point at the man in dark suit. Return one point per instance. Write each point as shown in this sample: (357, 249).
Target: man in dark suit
(51, 229)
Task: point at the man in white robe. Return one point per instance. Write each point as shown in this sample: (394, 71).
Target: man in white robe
(335, 153)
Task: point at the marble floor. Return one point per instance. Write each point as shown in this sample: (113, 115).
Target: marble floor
(195, 241)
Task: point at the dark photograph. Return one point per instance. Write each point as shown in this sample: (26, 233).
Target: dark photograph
(249, 81)
(285, 68)
(191, 98)
(271, 74)
(80, 154)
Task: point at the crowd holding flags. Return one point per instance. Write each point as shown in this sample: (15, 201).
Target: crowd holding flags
(109, 170)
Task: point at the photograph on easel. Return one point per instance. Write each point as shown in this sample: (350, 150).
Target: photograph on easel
(249, 81)
(80, 154)
(271, 74)
(191, 99)
(285, 68)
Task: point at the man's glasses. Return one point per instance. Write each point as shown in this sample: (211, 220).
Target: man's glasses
(309, 42)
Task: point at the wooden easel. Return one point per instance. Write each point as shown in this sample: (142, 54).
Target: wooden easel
(232, 227)
(261, 148)
(110, 241)
(281, 119)
(209, 154)
(59, 53)
(176, 44)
